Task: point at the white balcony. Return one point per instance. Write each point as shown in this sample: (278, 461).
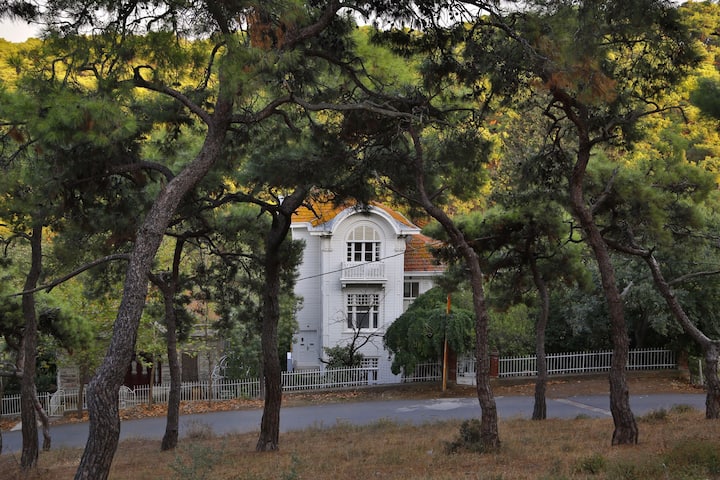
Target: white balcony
(362, 272)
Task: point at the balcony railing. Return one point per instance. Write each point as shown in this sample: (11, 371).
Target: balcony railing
(362, 272)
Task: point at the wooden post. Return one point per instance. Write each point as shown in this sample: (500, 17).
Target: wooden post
(445, 347)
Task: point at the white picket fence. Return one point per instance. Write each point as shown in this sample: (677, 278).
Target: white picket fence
(576, 363)
(59, 402)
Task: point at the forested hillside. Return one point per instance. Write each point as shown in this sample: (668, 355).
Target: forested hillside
(565, 155)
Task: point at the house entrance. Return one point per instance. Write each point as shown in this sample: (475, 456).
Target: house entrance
(306, 353)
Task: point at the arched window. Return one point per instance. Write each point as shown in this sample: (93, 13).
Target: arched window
(363, 244)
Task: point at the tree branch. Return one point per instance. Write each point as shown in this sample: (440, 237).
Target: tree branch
(139, 81)
(691, 276)
(49, 286)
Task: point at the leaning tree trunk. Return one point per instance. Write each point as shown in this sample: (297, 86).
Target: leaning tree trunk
(44, 421)
(540, 407)
(489, 433)
(626, 429)
(104, 387)
(710, 348)
(28, 417)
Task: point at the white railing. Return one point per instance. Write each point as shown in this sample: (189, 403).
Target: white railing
(325, 378)
(329, 378)
(585, 362)
(362, 271)
(56, 404)
(425, 372)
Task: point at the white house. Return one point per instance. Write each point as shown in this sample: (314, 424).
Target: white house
(362, 266)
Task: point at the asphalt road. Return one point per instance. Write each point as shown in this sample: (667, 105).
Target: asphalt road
(326, 415)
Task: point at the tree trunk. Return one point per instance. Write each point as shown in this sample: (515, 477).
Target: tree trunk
(269, 438)
(489, 433)
(709, 347)
(2, 392)
(169, 289)
(712, 398)
(540, 407)
(81, 389)
(28, 417)
(626, 429)
(151, 381)
(172, 426)
(44, 421)
(105, 385)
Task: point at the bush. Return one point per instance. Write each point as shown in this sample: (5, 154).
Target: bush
(470, 438)
(682, 408)
(659, 415)
(593, 464)
(196, 461)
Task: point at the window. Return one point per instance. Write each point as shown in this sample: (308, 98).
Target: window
(369, 362)
(363, 310)
(363, 245)
(411, 290)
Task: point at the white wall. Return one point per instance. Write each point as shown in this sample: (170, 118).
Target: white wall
(324, 295)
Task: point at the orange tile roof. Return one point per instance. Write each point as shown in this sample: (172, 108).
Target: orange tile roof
(324, 212)
(319, 213)
(418, 257)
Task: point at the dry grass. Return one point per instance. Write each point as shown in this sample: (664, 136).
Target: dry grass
(673, 445)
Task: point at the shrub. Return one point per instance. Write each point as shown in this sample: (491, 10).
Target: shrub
(593, 464)
(196, 461)
(682, 408)
(470, 438)
(659, 415)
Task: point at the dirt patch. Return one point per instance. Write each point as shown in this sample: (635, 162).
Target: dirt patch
(664, 381)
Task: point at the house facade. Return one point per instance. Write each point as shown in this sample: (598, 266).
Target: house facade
(362, 266)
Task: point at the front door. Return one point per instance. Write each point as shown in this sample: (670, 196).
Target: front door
(306, 352)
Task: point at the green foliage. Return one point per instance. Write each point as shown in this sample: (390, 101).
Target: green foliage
(418, 334)
(706, 96)
(343, 356)
(593, 464)
(512, 332)
(195, 461)
(659, 415)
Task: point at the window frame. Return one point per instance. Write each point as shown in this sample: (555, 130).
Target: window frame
(363, 244)
(365, 304)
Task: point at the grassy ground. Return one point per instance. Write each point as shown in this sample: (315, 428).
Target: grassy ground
(678, 444)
